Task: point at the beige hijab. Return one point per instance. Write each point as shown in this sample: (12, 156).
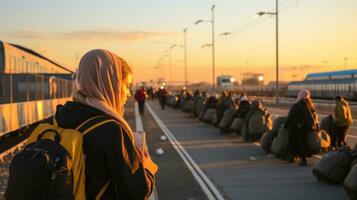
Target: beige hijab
(99, 84)
(303, 94)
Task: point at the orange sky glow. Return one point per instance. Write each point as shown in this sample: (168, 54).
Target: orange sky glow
(314, 36)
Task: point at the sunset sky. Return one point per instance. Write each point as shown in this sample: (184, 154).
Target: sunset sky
(315, 35)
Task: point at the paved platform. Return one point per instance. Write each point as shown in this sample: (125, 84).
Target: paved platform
(173, 180)
(239, 170)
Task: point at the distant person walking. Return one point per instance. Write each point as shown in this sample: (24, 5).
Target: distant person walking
(162, 97)
(140, 97)
(301, 120)
(343, 119)
(150, 92)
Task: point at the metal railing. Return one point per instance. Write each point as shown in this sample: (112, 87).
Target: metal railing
(29, 87)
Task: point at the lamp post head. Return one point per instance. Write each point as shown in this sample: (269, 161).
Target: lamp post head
(206, 45)
(198, 21)
(258, 14)
(225, 34)
(213, 6)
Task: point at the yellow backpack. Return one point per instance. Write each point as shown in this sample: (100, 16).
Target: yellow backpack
(59, 153)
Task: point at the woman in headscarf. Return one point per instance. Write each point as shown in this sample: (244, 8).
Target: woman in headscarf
(101, 89)
(301, 120)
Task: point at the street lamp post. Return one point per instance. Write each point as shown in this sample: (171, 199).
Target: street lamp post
(345, 59)
(276, 13)
(213, 44)
(185, 53)
(170, 63)
(213, 49)
(162, 65)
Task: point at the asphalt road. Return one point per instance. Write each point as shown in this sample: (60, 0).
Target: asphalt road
(173, 179)
(238, 170)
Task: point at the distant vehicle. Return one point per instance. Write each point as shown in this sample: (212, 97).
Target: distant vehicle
(225, 82)
(327, 85)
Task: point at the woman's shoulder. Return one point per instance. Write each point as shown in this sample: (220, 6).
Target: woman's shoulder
(296, 105)
(300, 103)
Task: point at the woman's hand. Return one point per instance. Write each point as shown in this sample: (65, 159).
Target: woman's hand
(147, 162)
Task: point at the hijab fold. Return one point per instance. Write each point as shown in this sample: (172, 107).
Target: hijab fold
(303, 94)
(99, 83)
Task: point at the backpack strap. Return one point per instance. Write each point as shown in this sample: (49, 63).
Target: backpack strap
(54, 120)
(102, 190)
(93, 123)
(87, 121)
(89, 125)
(96, 125)
(83, 124)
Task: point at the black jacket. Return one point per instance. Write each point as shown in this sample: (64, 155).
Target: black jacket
(299, 123)
(301, 116)
(243, 109)
(109, 155)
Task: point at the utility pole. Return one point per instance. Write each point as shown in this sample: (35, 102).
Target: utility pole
(276, 13)
(213, 44)
(277, 50)
(185, 53)
(213, 49)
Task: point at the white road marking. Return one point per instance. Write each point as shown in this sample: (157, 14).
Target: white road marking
(139, 127)
(138, 121)
(205, 183)
(257, 144)
(352, 136)
(318, 156)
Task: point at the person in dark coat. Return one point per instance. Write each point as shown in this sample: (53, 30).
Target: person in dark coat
(101, 89)
(242, 97)
(197, 93)
(162, 96)
(301, 121)
(151, 92)
(210, 103)
(140, 97)
(243, 109)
